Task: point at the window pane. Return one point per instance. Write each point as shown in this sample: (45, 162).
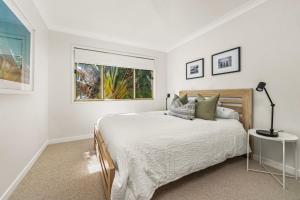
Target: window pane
(118, 82)
(88, 81)
(143, 83)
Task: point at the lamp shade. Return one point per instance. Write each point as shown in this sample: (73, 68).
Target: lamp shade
(261, 86)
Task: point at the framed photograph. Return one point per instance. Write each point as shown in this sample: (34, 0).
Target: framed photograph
(195, 69)
(226, 62)
(16, 51)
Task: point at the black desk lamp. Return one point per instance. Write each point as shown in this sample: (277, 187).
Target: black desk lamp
(168, 96)
(269, 133)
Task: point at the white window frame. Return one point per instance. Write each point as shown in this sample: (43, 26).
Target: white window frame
(73, 80)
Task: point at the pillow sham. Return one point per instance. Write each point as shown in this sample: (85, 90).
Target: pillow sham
(186, 111)
(227, 113)
(206, 107)
(183, 100)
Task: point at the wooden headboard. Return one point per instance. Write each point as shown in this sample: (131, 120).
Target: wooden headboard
(239, 100)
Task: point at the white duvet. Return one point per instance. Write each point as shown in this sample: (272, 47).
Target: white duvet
(152, 149)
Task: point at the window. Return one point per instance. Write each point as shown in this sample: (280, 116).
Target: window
(88, 81)
(98, 82)
(117, 83)
(143, 83)
(107, 75)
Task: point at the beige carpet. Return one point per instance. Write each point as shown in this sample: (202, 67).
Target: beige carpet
(68, 171)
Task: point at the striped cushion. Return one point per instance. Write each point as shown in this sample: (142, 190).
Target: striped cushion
(186, 111)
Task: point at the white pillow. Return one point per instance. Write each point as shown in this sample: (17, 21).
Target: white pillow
(227, 113)
(192, 98)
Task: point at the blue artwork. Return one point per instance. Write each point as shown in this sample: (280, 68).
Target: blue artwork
(15, 44)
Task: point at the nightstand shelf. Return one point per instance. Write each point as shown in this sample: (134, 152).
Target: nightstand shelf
(282, 138)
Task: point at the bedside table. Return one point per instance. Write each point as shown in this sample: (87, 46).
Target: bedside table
(282, 138)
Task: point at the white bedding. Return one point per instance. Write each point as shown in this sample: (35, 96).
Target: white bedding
(152, 149)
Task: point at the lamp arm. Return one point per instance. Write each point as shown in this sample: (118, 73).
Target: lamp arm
(272, 112)
(272, 119)
(272, 104)
(166, 103)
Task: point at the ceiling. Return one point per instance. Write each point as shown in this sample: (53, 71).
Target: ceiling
(154, 24)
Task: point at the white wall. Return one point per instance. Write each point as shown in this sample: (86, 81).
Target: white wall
(269, 38)
(24, 118)
(268, 35)
(67, 119)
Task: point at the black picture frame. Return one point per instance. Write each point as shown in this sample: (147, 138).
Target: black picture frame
(239, 61)
(186, 69)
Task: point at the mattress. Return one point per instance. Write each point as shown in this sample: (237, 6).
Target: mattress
(152, 149)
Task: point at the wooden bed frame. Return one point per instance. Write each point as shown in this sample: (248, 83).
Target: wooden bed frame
(239, 100)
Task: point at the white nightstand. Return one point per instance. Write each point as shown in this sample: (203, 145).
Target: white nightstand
(283, 138)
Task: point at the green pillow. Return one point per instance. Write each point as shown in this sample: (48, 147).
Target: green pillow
(206, 108)
(184, 100)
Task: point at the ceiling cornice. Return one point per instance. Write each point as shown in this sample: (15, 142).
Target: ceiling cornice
(40, 14)
(105, 38)
(224, 19)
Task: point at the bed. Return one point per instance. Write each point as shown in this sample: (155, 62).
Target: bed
(140, 152)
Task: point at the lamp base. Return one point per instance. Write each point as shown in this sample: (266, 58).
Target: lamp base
(267, 133)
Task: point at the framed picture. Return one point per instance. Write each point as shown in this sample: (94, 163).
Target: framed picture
(226, 62)
(16, 51)
(195, 69)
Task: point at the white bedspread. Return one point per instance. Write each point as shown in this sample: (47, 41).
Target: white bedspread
(152, 149)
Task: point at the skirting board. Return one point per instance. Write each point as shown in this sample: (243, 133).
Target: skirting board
(70, 139)
(276, 165)
(23, 173)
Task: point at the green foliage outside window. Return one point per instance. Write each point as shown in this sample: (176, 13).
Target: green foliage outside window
(88, 81)
(143, 83)
(97, 82)
(118, 83)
